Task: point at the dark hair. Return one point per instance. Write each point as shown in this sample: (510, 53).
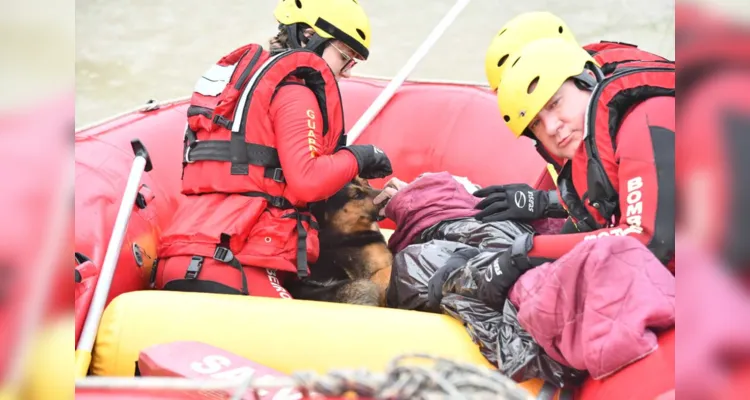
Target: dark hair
(281, 40)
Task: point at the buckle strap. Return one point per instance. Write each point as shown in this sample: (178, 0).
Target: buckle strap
(194, 268)
(274, 173)
(221, 253)
(223, 122)
(192, 111)
(303, 217)
(302, 239)
(301, 248)
(224, 254)
(275, 201)
(219, 150)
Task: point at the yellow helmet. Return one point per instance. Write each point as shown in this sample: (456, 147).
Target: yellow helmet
(547, 63)
(344, 20)
(516, 33)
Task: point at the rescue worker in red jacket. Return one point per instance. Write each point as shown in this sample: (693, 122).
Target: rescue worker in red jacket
(264, 138)
(527, 27)
(616, 137)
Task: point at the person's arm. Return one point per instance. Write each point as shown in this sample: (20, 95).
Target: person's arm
(310, 176)
(646, 185)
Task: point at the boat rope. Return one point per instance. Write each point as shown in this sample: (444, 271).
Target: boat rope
(412, 376)
(440, 379)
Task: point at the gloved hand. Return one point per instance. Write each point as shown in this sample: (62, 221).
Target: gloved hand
(494, 284)
(372, 161)
(435, 285)
(517, 202)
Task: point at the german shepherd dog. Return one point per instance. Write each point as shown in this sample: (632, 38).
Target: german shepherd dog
(354, 265)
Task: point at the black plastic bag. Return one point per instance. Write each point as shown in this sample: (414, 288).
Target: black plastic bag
(522, 358)
(412, 269)
(499, 336)
(483, 235)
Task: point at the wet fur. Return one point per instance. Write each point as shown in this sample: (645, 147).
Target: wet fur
(354, 265)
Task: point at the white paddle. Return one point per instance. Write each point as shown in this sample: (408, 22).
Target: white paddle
(382, 99)
(141, 164)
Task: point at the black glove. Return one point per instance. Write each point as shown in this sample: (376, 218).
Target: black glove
(517, 202)
(372, 161)
(435, 286)
(503, 272)
(494, 284)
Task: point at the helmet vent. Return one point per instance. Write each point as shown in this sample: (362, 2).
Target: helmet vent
(560, 29)
(532, 85)
(507, 118)
(502, 60)
(514, 62)
(298, 3)
(503, 31)
(361, 34)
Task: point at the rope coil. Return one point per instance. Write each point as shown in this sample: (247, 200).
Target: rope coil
(410, 376)
(443, 378)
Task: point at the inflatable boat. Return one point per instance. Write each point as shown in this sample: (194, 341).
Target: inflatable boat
(426, 127)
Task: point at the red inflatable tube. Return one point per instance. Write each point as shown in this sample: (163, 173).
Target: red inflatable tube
(644, 379)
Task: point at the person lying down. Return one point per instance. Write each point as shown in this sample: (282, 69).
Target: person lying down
(594, 310)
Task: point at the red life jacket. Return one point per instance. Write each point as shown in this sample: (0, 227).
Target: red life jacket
(231, 171)
(629, 85)
(609, 55)
(225, 155)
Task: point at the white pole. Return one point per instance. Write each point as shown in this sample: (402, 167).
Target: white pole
(141, 163)
(407, 69)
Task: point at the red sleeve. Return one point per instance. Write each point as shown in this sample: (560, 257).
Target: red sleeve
(310, 176)
(645, 145)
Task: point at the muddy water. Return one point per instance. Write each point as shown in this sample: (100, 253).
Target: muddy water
(130, 51)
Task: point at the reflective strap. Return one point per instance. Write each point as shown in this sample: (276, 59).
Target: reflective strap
(244, 98)
(238, 157)
(214, 80)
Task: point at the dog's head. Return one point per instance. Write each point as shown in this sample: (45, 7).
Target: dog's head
(350, 210)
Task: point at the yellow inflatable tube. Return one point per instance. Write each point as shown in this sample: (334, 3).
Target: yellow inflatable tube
(288, 335)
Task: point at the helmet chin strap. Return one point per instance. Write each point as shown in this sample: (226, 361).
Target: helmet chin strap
(585, 81)
(298, 40)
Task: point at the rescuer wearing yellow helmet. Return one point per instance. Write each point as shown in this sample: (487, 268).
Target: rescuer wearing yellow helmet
(262, 143)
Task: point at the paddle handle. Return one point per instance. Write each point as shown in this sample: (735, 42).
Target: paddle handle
(385, 96)
(141, 163)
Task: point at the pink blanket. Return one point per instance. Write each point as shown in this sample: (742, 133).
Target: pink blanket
(598, 306)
